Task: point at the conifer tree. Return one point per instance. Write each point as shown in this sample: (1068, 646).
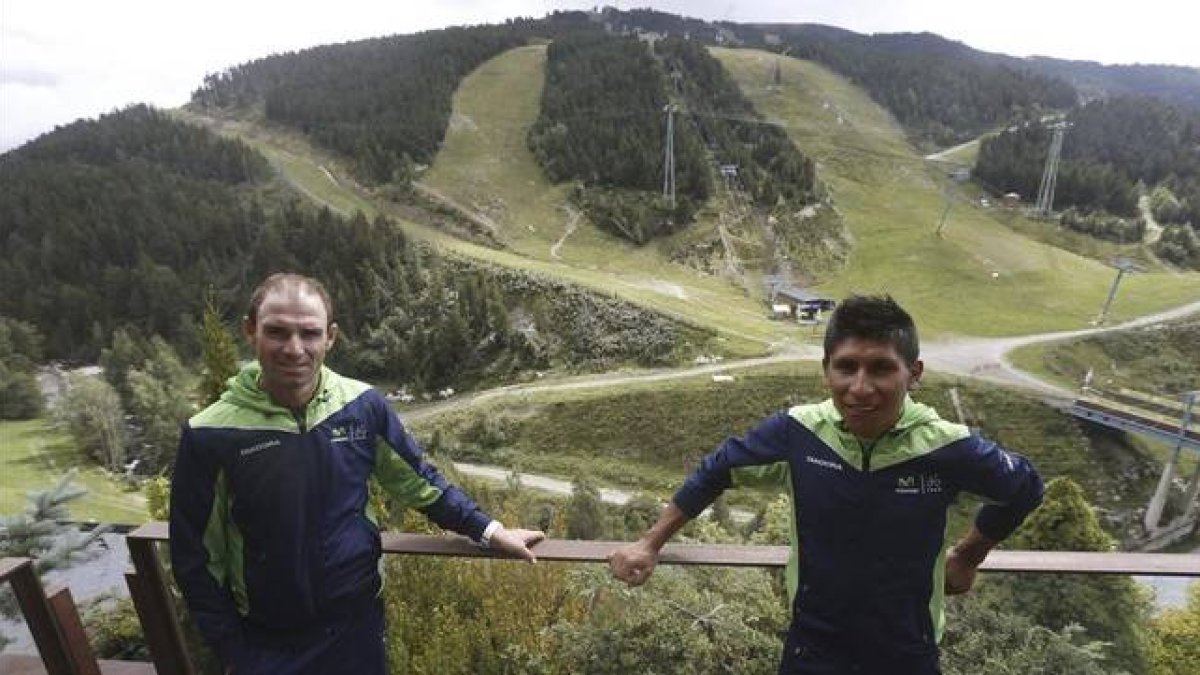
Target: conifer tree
(1111, 608)
(41, 532)
(220, 352)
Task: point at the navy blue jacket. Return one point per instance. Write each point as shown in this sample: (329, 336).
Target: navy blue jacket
(269, 517)
(867, 561)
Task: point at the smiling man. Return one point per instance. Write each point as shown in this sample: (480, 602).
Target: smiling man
(271, 541)
(871, 474)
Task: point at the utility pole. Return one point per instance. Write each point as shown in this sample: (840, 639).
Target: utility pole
(669, 159)
(1124, 266)
(1045, 200)
(1159, 500)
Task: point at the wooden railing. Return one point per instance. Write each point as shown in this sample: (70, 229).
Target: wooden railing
(52, 619)
(151, 596)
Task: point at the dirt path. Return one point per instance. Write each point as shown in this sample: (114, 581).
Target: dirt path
(572, 223)
(1153, 229)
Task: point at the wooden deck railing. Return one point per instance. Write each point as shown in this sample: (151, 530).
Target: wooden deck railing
(163, 637)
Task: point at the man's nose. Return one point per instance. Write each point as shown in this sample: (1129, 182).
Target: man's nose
(860, 383)
(293, 345)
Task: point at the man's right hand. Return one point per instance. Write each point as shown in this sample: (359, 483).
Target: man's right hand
(634, 563)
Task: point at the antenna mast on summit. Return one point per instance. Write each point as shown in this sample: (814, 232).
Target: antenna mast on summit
(669, 159)
(1045, 201)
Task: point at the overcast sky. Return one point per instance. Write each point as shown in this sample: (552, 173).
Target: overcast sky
(65, 59)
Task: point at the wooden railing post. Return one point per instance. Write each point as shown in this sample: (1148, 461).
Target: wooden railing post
(152, 600)
(75, 640)
(28, 588)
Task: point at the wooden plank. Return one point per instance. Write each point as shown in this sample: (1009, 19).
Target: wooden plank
(566, 550)
(32, 600)
(75, 640)
(1059, 562)
(1062, 562)
(152, 600)
(1085, 562)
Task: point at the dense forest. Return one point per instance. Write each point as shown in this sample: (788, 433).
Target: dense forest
(1110, 149)
(123, 223)
(602, 123)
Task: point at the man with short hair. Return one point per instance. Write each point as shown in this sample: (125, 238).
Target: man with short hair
(871, 474)
(271, 539)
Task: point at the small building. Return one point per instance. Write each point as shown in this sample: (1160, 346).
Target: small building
(1011, 200)
(802, 305)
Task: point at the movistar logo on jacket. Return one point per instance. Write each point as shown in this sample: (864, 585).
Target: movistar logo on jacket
(920, 484)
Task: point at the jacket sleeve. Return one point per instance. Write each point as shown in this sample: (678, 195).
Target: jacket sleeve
(765, 444)
(1008, 483)
(401, 469)
(198, 547)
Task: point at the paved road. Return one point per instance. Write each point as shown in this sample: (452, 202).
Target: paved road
(983, 358)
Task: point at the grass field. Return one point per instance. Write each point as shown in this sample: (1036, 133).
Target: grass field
(34, 456)
(892, 202)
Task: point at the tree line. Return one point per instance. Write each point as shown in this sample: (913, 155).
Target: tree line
(1113, 151)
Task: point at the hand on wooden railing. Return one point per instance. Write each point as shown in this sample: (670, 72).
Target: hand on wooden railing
(634, 563)
(516, 542)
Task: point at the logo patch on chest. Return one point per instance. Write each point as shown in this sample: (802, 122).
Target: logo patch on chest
(348, 432)
(919, 484)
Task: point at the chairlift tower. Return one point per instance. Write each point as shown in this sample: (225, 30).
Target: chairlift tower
(1124, 266)
(1045, 200)
(669, 158)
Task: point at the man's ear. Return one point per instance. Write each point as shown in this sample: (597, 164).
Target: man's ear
(248, 329)
(333, 333)
(915, 372)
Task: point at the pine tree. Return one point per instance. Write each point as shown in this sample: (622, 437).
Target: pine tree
(40, 532)
(220, 353)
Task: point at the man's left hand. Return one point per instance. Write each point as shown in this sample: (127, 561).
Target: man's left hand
(960, 573)
(516, 542)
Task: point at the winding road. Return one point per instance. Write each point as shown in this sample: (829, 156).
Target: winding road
(982, 358)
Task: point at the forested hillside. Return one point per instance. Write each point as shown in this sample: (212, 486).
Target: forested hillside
(937, 89)
(1174, 84)
(123, 219)
(602, 124)
(943, 92)
(1110, 148)
(383, 102)
(125, 222)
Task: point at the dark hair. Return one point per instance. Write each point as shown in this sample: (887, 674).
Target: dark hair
(873, 317)
(287, 281)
